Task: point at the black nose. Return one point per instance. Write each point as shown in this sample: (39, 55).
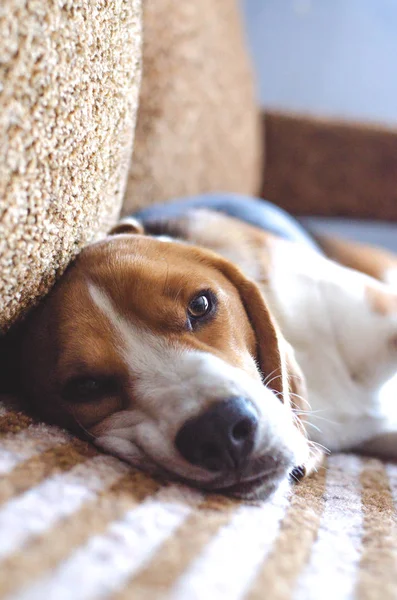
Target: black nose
(221, 438)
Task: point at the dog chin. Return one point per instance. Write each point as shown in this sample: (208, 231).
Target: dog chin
(252, 490)
(256, 486)
(260, 487)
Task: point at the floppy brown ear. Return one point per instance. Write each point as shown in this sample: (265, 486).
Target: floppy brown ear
(127, 225)
(271, 346)
(276, 358)
(296, 381)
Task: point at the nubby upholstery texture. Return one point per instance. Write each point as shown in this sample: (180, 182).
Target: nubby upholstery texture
(69, 84)
(198, 126)
(70, 74)
(78, 524)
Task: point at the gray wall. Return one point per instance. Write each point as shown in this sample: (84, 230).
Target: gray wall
(331, 57)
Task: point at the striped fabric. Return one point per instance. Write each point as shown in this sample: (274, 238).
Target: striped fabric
(77, 524)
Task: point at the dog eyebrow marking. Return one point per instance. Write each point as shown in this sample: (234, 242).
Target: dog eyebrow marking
(144, 353)
(135, 340)
(103, 302)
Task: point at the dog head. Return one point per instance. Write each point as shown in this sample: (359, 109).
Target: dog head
(167, 356)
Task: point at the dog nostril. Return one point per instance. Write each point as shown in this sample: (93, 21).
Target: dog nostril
(221, 438)
(242, 430)
(209, 451)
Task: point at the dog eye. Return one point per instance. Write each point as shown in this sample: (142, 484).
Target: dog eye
(200, 306)
(88, 389)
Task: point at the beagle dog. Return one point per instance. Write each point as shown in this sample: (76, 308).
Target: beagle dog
(229, 351)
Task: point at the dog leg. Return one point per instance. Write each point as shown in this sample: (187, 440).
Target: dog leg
(315, 462)
(371, 260)
(382, 446)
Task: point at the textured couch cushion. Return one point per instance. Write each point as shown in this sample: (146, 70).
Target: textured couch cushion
(78, 524)
(376, 233)
(198, 128)
(69, 78)
(331, 168)
(75, 523)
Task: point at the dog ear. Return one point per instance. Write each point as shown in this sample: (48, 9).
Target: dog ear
(296, 381)
(274, 355)
(127, 225)
(276, 359)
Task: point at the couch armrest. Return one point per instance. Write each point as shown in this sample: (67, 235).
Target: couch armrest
(325, 167)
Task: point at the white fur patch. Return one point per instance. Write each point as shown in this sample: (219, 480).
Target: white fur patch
(390, 278)
(173, 384)
(341, 344)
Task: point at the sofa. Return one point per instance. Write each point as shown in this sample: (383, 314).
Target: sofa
(106, 107)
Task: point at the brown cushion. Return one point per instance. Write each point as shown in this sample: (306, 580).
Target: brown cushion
(318, 166)
(197, 127)
(69, 75)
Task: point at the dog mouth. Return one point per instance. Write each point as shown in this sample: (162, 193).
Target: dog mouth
(260, 486)
(261, 480)
(257, 485)
(247, 489)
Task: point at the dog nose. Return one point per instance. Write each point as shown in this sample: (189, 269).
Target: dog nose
(221, 438)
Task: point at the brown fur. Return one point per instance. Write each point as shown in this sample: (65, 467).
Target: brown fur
(370, 260)
(327, 167)
(365, 258)
(148, 281)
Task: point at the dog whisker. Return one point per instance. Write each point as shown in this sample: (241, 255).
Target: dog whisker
(294, 395)
(320, 446)
(267, 383)
(266, 380)
(313, 426)
(307, 412)
(313, 414)
(88, 433)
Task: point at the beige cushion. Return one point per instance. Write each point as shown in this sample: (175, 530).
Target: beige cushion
(197, 126)
(69, 79)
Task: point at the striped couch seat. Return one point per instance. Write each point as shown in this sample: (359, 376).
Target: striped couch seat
(76, 524)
